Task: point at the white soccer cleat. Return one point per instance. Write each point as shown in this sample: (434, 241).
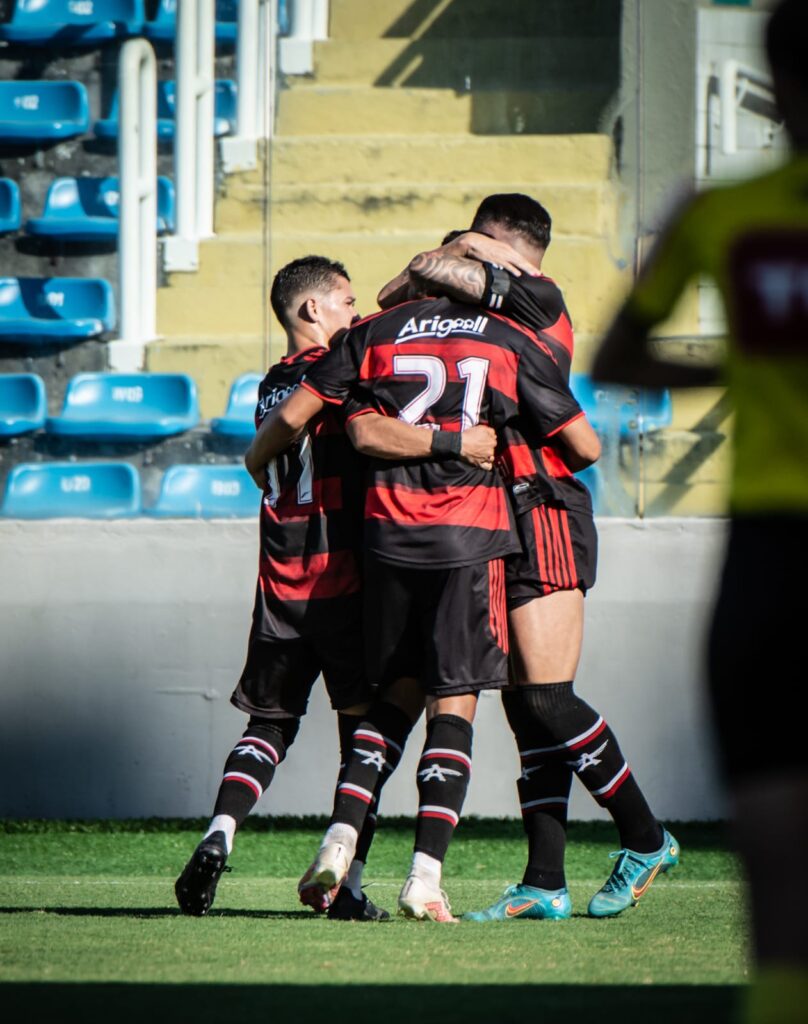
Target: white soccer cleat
(325, 875)
(419, 901)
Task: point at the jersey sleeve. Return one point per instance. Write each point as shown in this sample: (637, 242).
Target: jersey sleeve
(545, 399)
(674, 260)
(535, 302)
(332, 377)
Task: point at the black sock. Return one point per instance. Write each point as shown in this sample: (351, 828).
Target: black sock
(375, 750)
(582, 739)
(250, 768)
(544, 790)
(348, 724)
(443, 779)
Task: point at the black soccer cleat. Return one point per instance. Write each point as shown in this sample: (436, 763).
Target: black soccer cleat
(347, 907)
(196, 886)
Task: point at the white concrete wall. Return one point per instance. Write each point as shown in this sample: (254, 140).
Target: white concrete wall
(121, 642)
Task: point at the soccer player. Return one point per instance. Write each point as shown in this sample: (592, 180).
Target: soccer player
(498, 266)
(752, 239)
(436, 532)
(307, 612)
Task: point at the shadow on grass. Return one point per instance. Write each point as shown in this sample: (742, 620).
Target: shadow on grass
(693, 835)
(282, 915)
(447, 1004)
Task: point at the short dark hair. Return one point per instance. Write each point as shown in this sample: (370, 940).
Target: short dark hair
(308, 274)
(786, 40)
(518, 213)
(450, 236)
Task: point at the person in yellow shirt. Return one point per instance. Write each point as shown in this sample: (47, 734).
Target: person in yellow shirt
(752, 239)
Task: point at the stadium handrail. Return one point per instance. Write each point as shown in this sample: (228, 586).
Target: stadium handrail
(137, 222)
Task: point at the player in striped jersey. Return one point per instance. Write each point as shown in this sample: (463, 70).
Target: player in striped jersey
(307, 612)
(497, 265)
(436, 532)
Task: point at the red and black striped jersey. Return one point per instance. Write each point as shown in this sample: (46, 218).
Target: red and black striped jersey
(311, 519)
(536, 303)
(444, 365)
(535, 470)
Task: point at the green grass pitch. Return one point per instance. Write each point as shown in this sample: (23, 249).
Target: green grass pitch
(89, 931)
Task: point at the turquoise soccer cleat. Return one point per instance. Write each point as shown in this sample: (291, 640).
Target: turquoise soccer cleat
(632, 876)
(524, 902)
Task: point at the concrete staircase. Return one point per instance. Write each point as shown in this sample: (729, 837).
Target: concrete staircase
(417, 110)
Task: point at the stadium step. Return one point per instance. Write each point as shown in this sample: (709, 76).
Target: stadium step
(462, 19)
(449, 158)
(230, 265)
(588, 209)
(468, 64)
(336, 110)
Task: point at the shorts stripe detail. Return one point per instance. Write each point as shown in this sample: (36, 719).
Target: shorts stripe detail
(245, 780)
(612, 786)
(544, 802)
(538, 534)
(573, 744)
(273, 753)
(431, 811)
(351, 790)
(567, 537)
(373, 737)
(497, 610)
(452, 755)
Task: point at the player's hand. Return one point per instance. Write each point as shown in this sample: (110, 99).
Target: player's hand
(475, 246)
(478, 446)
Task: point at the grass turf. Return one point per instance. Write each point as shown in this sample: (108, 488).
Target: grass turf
(89, 930)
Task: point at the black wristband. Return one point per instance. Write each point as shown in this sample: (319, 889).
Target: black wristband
(446, 444)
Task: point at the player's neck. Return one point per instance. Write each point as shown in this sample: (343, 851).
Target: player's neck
(298, 341)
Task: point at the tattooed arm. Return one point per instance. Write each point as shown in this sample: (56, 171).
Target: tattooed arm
(456, 269)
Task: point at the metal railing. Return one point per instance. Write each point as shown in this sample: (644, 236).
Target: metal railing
(137, 225)
(193, 140)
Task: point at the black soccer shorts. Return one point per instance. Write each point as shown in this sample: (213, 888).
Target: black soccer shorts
(279, 674)
(445, 627)
(559, 552)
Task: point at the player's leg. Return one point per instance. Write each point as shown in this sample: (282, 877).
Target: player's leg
(464, 628)
(559, 726)
(392, 663)
(754, 639)
(273, 690)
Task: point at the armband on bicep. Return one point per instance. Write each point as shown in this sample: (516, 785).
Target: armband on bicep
(497, 286)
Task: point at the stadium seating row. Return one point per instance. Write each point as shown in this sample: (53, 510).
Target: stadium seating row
(80, 209)
(36, 111)
(47, 309)
(112, 490)
(89, 22)
(116, 406)
(122, 407)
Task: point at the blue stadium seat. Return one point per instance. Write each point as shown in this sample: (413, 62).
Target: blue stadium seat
(72, 22)
(209, 492)
(95, 490)
(224, 114)
(86, 209)
(163, 27)
(42, 111)
(127, 406)
(54, 308)
(239, 418)
(23, 405)
(10, 206)
(610, 408)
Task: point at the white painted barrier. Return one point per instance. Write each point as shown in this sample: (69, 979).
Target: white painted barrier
(120, 643)
(137, 224)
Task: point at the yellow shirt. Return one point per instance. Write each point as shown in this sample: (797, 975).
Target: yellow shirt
(752, 239)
